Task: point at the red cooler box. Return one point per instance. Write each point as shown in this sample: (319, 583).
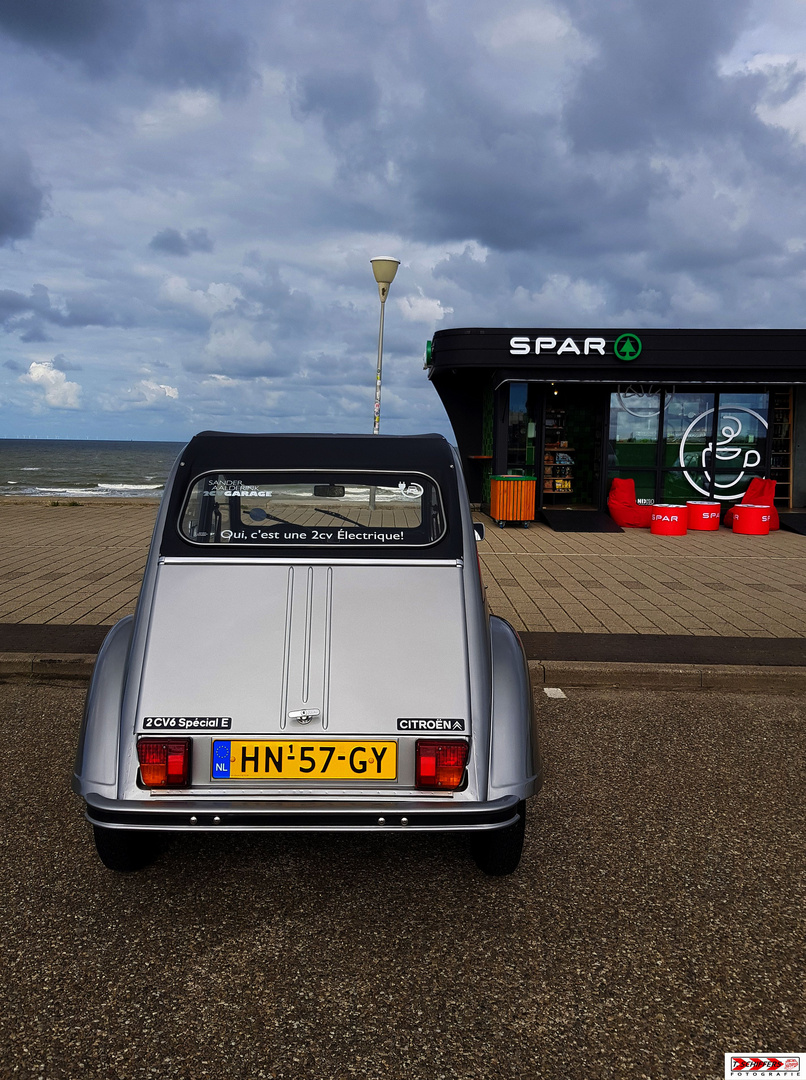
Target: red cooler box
(668, 520)
(751, 520)
(703, 516)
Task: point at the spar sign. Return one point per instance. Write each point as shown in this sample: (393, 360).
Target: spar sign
(625, 347)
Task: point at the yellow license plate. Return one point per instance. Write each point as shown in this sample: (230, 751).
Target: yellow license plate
(273, 759)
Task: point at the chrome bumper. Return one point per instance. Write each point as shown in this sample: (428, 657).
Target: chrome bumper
(315, 816)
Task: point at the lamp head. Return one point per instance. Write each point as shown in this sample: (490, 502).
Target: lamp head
(384, 268)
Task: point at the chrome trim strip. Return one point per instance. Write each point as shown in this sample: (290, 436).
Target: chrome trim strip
(196, 560)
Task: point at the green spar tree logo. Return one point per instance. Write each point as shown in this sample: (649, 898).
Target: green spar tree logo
(627, 347)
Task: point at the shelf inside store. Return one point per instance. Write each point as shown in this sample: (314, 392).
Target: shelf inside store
(781, 457)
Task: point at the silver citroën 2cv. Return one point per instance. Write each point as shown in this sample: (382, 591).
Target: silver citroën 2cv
(311, 651)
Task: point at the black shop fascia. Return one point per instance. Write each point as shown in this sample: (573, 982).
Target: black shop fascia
(687, 414)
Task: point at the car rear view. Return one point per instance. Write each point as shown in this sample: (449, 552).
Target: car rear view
(311, 651)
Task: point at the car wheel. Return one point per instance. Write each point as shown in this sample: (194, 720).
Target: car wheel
(126, 850)
(498, 851)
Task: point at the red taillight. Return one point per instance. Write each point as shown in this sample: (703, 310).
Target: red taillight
(164, 762)
(441, 764)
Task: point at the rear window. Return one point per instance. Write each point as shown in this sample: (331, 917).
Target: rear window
(313, 510)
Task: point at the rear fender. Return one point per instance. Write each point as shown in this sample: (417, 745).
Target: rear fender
(515, 763)
(96, 768)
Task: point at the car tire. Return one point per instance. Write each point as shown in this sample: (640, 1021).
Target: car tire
(498, 851)
(126, 850)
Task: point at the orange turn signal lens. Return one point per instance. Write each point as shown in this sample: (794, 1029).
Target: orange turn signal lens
(440, 765)
(164, 762)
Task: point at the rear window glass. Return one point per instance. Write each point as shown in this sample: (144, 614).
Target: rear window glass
(313, 510)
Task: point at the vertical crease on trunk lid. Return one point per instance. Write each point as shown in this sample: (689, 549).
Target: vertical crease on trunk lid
(289, 605)
(326, 660)
(306, 659)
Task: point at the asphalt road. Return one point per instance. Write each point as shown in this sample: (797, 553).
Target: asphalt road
(656, 922)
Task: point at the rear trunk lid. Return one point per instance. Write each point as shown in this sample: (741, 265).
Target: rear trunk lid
(303, 649)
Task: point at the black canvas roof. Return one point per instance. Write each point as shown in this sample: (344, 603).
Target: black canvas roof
(218, 451)
(212, 450)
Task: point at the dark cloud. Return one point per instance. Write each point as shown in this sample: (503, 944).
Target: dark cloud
(12, 365)
(347, 103)
(89, 309)
(22, 197)
(340, 97)
(186, 47)
(655, 74)
(32, 330)
(27, 313)
(61, 363)
(63, 26)
(423, 148)
(783, 82)
(174, 44)
(172, 242)
(96, 33)
(199, 240)
(15, 303)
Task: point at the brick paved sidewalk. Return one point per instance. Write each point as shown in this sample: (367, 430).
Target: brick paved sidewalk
(83, 565)
(708, 584)
(73, 564)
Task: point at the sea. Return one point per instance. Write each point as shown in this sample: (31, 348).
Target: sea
(85, 469)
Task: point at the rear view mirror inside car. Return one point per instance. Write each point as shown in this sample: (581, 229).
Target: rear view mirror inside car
(328, 491)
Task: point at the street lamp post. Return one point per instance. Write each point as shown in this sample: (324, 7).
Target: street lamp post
(384, 270)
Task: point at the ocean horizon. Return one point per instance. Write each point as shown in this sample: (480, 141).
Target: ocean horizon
(85, 468)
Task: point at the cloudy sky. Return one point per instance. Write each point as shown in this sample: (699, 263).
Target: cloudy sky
(191, 191)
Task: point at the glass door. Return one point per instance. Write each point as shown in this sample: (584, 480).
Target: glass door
(572, 446)
(740, 447)
(555, 434)
(524, 405)
(688, 422)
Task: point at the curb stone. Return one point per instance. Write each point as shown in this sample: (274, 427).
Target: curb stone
(626, 676)
(77, 667)
(74, 667)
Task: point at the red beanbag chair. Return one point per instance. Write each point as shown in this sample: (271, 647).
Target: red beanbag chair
(759, 493)
(623, 508)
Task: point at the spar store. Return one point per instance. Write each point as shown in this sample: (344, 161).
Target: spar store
(688, 414)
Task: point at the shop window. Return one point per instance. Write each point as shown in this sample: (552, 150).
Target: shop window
(702, 453)
(522, 432)
(687, 429)
(634, 417)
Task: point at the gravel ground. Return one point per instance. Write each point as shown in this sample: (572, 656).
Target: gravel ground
(656, 922)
